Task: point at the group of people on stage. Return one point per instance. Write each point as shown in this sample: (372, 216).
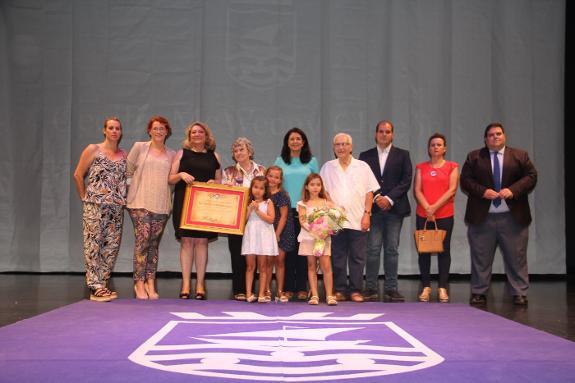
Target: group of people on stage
(371, 191)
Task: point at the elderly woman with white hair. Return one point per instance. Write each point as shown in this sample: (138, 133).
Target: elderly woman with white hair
(240, 174)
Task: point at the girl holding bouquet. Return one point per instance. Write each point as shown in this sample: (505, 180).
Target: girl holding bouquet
(314, 237)
(259, 241)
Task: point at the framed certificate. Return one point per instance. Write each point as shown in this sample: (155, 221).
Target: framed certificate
(214, 207)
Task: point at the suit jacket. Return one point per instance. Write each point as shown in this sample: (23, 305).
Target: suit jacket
(518, 175)
(396, 178)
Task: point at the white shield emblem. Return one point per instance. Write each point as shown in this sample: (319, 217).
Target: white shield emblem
(302, 347)
(260, 46)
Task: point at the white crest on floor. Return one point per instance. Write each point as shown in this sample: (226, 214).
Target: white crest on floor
(303, 347)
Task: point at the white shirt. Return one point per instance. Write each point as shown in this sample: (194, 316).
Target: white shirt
(382, 154)
(503, 208)
(349, 187)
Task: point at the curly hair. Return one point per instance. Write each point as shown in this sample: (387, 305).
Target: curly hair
(210, 140)
(243, 141)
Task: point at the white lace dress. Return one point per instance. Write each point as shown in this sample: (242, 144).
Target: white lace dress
(259, 236)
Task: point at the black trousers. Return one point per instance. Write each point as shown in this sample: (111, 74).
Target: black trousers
(443, 259)
(295, 265)
(238, 264)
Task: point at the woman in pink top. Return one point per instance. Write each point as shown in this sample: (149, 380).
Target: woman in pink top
(434, 188)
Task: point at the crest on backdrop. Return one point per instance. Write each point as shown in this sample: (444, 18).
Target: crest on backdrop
(260, 45)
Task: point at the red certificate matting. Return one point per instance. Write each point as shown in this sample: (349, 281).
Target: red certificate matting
(214, 207)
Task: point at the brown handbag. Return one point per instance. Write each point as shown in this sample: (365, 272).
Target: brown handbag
(429, 241)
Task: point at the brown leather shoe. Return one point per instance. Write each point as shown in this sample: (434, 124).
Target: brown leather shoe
(302, 295)
(356, 297)
(340, 297)
(370, 296)
(393, 296)
(478, 300)
(520, 300)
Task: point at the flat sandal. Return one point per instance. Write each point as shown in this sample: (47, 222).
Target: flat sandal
(313, 300)
(330, 300)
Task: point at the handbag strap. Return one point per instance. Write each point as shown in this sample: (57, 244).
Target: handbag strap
(425, 225)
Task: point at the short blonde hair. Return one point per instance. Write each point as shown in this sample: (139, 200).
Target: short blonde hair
(243, 141)
(210, 140)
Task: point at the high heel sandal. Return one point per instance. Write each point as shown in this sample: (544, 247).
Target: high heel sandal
(151, 295)
(201, 295)
(252, 298)
(138, 296)
(425, 294)
(442, 295)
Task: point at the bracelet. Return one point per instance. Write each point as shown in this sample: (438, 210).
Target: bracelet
(367, 212)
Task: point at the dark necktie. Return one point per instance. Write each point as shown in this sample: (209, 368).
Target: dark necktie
(496, 179)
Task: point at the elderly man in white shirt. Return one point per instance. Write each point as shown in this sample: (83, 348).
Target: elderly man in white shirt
(350, 184)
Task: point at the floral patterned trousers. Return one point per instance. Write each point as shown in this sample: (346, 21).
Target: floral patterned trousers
(102, 226)
(148, 230)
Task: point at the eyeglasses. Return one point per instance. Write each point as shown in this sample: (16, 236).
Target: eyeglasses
(159, 129)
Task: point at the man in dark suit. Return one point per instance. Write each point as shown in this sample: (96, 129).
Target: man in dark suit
(497, 180)
(392, 169)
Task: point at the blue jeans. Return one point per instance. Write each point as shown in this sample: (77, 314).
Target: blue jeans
(385, 230)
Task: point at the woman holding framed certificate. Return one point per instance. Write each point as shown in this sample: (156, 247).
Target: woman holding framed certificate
(196, 161)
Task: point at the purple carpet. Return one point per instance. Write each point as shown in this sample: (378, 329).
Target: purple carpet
(216, 341)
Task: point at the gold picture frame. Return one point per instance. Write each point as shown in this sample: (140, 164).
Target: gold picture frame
(215, 208)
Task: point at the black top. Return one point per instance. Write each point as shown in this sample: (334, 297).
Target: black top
(202, 166)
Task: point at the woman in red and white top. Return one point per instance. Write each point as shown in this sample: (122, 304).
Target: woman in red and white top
(434, 188)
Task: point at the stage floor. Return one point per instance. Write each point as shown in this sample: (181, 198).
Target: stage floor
(226, 341)
(551, 300)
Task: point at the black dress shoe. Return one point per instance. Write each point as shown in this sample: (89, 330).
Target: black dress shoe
(477, 299)
(520, 300)
(370, 296)
(393, 296)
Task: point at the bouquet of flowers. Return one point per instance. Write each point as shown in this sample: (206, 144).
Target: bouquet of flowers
(323, 223)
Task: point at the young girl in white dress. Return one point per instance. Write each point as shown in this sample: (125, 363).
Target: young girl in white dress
(259, 241)
(315, 198)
